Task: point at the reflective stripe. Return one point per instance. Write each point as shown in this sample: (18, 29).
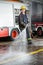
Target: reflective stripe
(29, 39)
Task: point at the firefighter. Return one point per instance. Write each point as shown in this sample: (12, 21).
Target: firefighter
(23, 21)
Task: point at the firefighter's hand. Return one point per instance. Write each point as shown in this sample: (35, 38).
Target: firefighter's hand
(23, 24)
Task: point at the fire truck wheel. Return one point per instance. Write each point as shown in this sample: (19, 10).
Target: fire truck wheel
(14, 33)
(39, 32)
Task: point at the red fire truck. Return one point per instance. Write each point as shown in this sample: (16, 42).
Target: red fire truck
(37, 18)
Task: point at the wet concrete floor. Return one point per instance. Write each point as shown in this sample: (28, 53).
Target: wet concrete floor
(18, 52)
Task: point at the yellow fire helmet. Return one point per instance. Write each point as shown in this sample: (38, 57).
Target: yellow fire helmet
(23, 8)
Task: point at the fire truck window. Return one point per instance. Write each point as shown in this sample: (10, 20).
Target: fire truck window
(36, 12)
(27, 11)
(16, 20)
(16, 11)
(42, 13)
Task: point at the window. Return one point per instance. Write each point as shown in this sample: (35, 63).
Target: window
(17, 11)
(27, 11)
